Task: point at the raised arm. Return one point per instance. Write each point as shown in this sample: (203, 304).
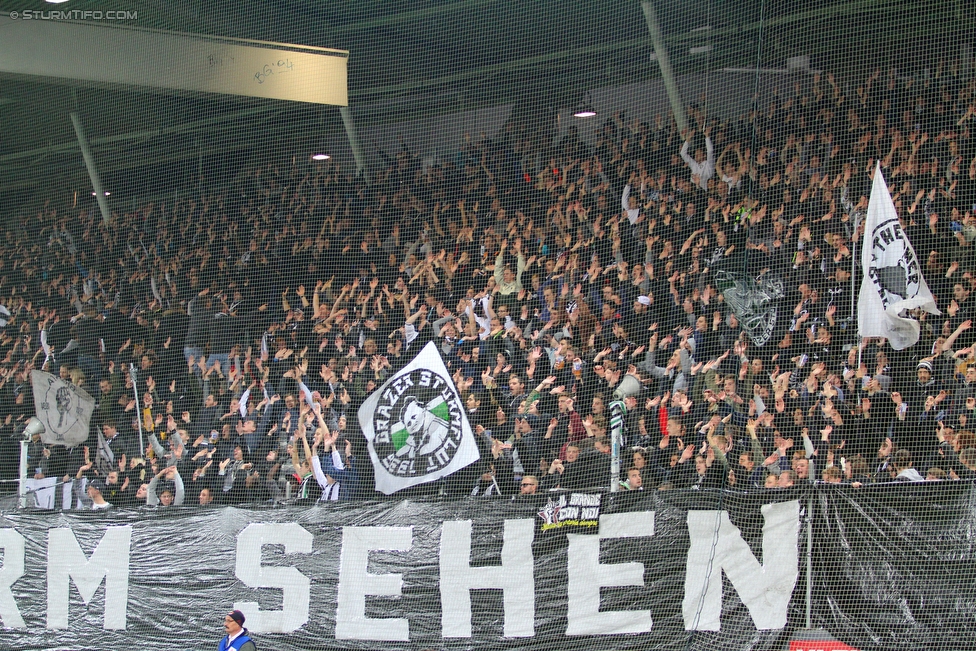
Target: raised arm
(487, 303)
(965, 325)
(151, 498)
(320, 477)
(684, 154)
(625, 199)
(500, 261)
(309, 452)
(520, 265)
(295, 460)
(713, 443)
(180, 493)
(321, 436)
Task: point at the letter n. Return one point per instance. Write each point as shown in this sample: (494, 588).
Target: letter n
(765, 589)
(66, 562)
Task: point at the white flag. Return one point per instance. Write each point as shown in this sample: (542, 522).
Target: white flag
(64, 409)
(893, 283)
(416, 426)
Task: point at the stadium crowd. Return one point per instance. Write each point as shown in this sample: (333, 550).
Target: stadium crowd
(259, 316)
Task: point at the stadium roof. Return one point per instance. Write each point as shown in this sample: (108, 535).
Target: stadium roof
(406, 58)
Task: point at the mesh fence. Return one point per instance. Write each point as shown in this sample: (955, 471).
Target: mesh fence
(606, 325)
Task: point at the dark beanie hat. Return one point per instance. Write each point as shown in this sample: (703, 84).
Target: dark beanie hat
(237, 616)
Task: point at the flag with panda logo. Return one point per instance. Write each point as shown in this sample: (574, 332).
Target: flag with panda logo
(416, 427)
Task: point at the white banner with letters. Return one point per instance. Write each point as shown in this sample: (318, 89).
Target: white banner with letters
(474, 572)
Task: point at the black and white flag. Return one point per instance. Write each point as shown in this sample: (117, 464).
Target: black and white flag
(63, 408)
(754, 301)
(416, 426)
(893, 283)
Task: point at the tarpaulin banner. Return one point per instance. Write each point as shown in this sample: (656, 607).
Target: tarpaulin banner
(469, 573)
(668, 570)
(894, 567)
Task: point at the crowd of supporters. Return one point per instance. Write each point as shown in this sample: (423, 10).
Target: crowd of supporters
(259, 316)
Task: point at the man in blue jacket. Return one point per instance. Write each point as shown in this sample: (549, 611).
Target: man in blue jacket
(237, 637)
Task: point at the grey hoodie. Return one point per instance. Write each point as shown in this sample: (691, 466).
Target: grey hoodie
(909, 474)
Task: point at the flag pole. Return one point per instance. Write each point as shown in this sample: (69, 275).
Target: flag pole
(851, 314)
(617, 412)
(858, 220)
(135, 392)
(22, 488)
(857, 323)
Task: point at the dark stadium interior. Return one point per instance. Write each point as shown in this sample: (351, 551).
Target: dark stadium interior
(501, 310)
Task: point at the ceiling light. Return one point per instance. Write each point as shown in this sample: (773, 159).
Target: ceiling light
(320, 157)
(585, 110)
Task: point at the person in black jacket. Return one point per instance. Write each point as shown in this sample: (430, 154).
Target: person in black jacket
(87, 332)
(198, 331)
(710, 469)
(499, 477)
(225, 330)
(572, 474)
